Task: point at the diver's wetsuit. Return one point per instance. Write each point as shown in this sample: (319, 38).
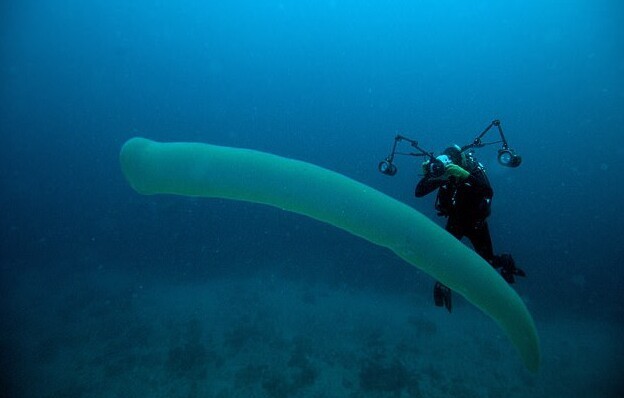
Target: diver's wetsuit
(466, 204)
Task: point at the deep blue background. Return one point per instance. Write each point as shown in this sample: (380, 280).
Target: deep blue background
(329, 82)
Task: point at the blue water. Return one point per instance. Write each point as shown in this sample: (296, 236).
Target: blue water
(107, 293)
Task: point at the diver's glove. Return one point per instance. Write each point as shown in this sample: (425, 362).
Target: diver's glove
(450, 170)
(508, 271)
(453, 170)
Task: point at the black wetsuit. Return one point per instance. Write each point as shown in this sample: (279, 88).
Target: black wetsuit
(466, 204)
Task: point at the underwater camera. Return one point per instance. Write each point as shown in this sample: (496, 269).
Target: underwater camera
(436, 166)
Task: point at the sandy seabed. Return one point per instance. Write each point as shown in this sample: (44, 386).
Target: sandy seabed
(105, 334)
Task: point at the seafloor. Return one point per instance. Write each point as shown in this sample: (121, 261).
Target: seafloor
(104, 333)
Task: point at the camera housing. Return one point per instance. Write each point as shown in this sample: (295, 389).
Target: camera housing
(436, 168)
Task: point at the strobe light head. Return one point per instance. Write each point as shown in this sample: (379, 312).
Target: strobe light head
(507, 157)
(386, 167)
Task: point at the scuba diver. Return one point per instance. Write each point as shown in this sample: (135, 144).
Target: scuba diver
(464, 198)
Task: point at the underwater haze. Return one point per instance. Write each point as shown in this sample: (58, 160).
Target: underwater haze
(108, 293)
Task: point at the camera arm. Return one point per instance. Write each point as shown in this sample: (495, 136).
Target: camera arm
(387, 166)
(506, 156)
(413, 143)
(477, 143)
